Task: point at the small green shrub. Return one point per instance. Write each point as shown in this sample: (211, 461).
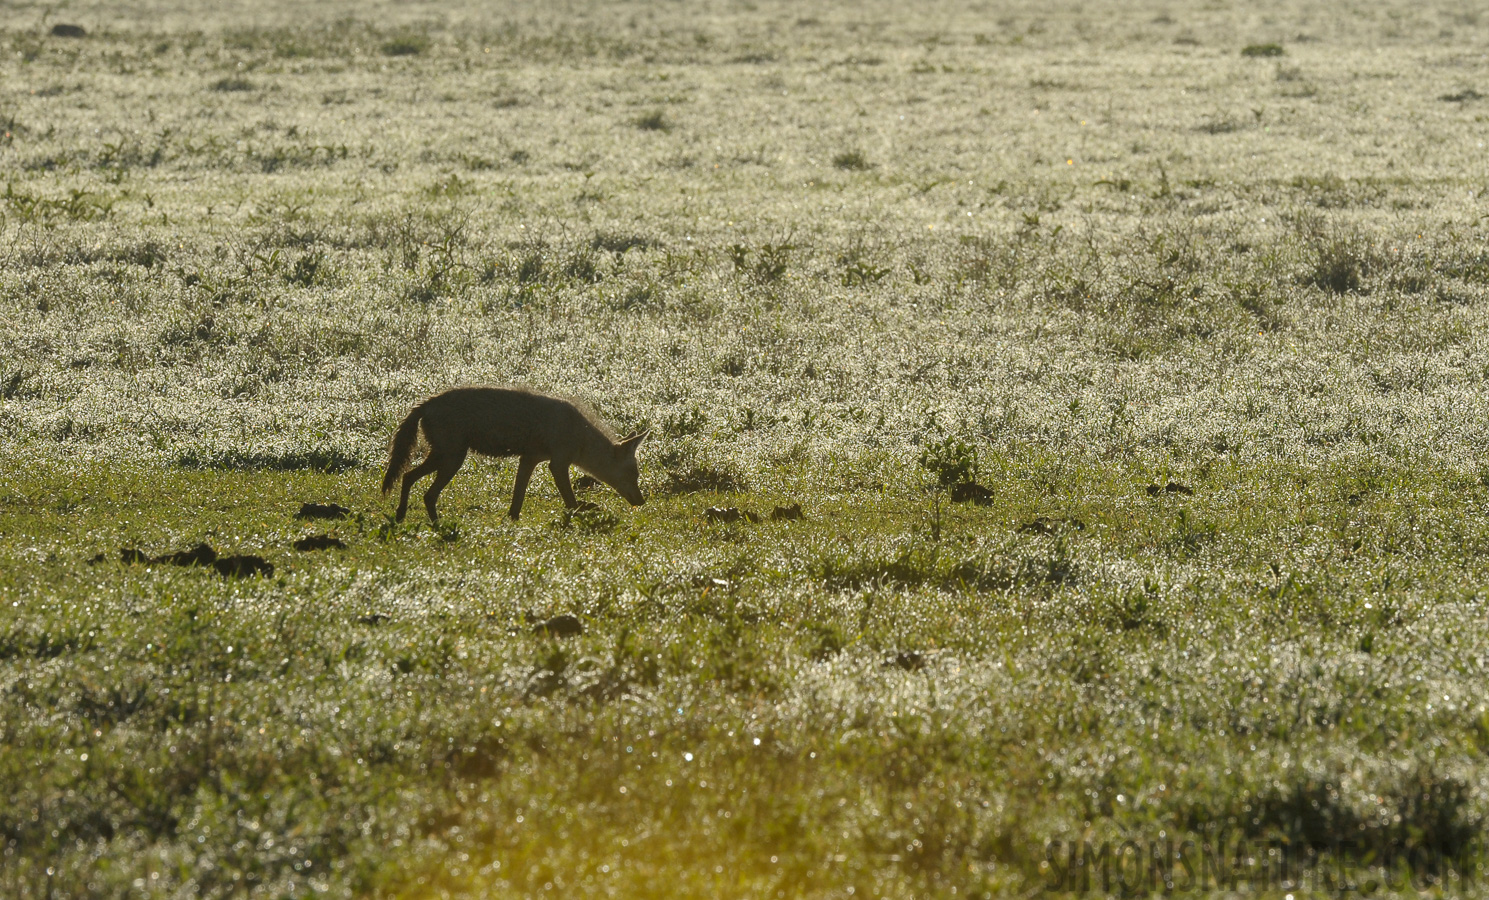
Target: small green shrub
(852, 161)
(951, 461)
(655, 120)
(1133, 610)
(309, 269)
(1339, 264)
(582, 266)
(532, 266)
(406, 45)
(1262, 50)
(766, 264)
(860, 268)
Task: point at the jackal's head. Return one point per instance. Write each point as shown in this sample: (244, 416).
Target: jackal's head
(620, 469)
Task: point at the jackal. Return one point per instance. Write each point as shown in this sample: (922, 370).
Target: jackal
(509, 421)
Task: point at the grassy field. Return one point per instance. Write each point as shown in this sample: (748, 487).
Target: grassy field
(1199, 294)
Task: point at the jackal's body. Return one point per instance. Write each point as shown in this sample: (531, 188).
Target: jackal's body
(503, 421)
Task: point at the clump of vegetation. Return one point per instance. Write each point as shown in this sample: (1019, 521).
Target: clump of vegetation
(232, 85)
(656, 120)
(1340, 263)
(1462, 96)
(766, 263)
(861, 265)
(852, 161)
(410, 44)
(951, 461)
(1262, 50)
(309, 269)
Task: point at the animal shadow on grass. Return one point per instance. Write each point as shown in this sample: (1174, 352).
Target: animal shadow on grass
(726, 515)
(236, 566)
(559, 626)
(971, 492)
(786, 513)
(322, 511)
(319, 542)
(243, 566)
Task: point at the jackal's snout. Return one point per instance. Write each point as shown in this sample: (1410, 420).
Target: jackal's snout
(628, 488)
(627, 484)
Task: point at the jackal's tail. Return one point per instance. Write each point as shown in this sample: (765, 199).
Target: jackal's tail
(402, 448)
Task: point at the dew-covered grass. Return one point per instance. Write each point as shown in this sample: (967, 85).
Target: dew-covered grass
(1188, 301)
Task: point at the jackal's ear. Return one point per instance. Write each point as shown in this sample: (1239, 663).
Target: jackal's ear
(630, 444)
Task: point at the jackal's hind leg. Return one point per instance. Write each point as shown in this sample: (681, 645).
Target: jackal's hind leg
(409, 477)
(448, 466)
(525, 466)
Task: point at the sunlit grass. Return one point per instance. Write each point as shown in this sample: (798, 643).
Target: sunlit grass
(1197, 327)
(908, 718)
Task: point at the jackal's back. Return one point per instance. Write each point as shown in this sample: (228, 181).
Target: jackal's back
(508, 421)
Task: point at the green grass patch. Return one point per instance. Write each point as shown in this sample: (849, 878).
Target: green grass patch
(395, 691)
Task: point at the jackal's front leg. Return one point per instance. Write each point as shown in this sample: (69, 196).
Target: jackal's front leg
(561, 479)
(525, 467)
